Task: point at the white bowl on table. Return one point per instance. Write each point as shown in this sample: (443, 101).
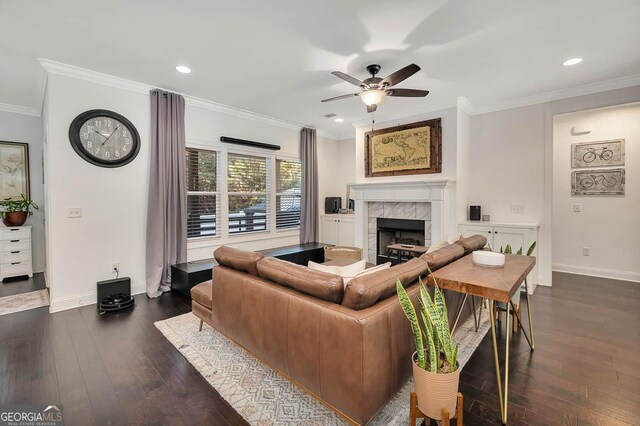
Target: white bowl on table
(488, 258)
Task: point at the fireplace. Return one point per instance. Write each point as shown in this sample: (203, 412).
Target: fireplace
(397, 231)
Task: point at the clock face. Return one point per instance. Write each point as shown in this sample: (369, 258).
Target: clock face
(104, 138)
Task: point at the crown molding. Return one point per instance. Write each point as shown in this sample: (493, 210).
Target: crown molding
(465, 105)
(54, 67)
(556, 95)
(19, 109)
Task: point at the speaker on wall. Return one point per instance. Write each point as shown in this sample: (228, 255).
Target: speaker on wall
(475, 213)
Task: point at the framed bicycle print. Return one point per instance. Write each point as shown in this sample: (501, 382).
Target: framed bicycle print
(597, 154)
(14, 170)
(597, 182)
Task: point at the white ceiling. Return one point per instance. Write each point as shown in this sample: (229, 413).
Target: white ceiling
(274, 57)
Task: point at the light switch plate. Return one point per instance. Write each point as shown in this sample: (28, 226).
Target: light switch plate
(577, 208)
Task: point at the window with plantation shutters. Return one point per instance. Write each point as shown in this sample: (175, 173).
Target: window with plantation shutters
(248, 191)
(203, 197)
(288, 184)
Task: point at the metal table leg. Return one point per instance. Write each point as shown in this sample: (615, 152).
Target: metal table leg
(459, 312)
(503, 393)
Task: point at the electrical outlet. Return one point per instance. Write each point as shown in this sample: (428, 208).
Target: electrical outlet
(586, 251)
(577, 208)
(115, 267)
(74, 212)
(517, 209)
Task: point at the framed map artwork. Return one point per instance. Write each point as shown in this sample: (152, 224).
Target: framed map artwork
(410, 149)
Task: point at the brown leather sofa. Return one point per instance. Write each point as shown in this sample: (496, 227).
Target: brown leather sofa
(348, 347)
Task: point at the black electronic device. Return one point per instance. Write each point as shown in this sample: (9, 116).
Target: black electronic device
(475, 213)
(114, 295)
(332, 205)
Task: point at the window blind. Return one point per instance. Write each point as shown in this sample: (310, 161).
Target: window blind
(288, 190)
(203, 198)
(248, 192)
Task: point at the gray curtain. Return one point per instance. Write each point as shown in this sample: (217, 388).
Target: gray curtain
(167, 207)
(309, 214)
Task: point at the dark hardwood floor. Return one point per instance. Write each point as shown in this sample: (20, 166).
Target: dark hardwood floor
(118, 369)
(19, 285)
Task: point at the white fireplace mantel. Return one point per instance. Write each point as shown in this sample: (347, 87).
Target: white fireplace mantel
(436, 192)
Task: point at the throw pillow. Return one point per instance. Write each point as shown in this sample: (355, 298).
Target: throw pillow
(371, 271)
(346, 272)
(440, 244)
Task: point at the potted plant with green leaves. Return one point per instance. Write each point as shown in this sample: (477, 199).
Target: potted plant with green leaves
(16, 212)
(436, 371)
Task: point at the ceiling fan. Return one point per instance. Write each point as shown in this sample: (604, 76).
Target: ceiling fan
(374, 89)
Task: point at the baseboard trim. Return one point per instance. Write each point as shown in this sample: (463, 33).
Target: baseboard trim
(84, 299)
(615, 274)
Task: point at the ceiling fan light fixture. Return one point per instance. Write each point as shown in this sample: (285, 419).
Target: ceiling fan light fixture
(373, 97)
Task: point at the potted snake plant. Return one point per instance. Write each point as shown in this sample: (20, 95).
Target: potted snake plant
(16, 212)
(436, 371)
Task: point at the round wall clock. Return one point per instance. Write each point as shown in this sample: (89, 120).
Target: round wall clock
(104, 138)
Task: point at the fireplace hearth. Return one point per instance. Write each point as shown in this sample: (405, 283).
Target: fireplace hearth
(397, 231)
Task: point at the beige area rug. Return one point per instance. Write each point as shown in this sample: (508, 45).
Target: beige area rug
(262, 396)
(24, 301)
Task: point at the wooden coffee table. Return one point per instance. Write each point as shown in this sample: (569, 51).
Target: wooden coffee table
(497, 285)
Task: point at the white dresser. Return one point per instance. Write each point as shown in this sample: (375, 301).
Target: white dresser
(15, 251)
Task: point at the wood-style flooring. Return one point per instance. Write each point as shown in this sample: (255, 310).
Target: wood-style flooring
(19, 285)
(118, 369)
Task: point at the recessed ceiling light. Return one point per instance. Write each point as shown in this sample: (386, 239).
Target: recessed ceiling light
(572, 61)
(183, 69)
(339, 120)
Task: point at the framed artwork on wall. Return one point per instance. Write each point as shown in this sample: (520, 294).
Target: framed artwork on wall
(410, 149)
(597, 182)
(14, 170)
(597, 154)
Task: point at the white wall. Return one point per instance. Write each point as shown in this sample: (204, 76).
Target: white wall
(607, 225)
(511, 160)
(114, 201)
(25, 128)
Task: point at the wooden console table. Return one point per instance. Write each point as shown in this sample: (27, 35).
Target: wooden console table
(497, 285)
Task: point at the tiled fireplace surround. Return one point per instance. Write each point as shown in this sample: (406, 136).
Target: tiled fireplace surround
(396, 210)
(423, 200)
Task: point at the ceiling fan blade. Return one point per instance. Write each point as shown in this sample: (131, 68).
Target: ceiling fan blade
(349, 79)
(335, 98)
(371, 108)
(400, 75)
(408, 93)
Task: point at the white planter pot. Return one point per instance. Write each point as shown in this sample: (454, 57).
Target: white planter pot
(436, 391)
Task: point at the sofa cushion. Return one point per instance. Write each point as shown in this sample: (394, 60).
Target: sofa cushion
(441, 257)
(366, 290)
(473, 243)
(322, 285)
(240, 260)
(201, 293)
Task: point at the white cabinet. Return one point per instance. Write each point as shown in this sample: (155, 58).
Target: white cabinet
(337, 229)
(15, 252)
(501, 234)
